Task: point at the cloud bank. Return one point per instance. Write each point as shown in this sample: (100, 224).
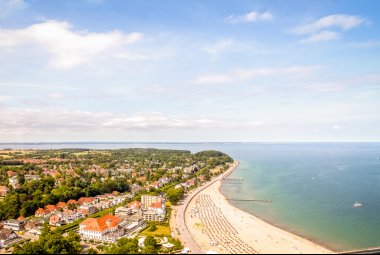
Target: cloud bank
(67, 48)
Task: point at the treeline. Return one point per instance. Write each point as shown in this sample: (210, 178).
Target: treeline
(35, 194)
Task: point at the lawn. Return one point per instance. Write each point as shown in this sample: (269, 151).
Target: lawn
(159, 232)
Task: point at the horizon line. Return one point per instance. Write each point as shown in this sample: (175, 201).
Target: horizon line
(168, 142)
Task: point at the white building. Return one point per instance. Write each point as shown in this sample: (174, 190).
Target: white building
(106, 228)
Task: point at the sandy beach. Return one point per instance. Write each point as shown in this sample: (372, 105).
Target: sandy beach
(215, 225)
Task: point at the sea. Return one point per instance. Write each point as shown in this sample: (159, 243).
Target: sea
(312, 186)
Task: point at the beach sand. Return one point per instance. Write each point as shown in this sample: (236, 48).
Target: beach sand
(215, 225)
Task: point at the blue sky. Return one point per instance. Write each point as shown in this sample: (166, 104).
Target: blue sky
(109, 70)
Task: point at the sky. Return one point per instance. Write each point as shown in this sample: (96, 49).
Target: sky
(189, 71)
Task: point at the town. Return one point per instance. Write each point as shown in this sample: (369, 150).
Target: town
(102, 199)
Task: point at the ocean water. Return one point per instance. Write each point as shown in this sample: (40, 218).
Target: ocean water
(313, 186)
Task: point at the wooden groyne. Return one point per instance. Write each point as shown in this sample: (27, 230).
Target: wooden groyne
(373, 250)
(251, 200)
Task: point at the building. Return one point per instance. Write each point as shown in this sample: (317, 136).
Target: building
(86, 201)
(153, 215)
(7, 237)
(147, 200)
(90, 209)
(124, 211)
(135, 205)
(56, 220)
(30, 177)
(15, 225)
(61, 205)
(106, 228)
(3, 191)
(42, 213)
(13, 181)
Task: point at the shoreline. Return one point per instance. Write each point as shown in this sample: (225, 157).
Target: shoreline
(326, 246)
(208, 211)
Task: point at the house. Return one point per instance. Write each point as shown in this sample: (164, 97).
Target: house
(135, 205)
(3, 191)
(13, 181)
(56, 220)
(7, 237)
(72, 201)
(106, 228)
(11, 173)
(51, 208)
(13, 224)
(156, 185)
(42, 213)
(61, 205)
(124, 211)
(33, 226)
(86, 201)
(30, 177)
(90, 209)
(71, 215)
(21, 218)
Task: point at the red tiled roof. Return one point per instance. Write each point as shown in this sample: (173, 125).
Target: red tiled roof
(157, 205)
(42, 211)
(85, 200)
(61, 204)
(50, 207)
(72, 201)
(135, 204)
(100, 224)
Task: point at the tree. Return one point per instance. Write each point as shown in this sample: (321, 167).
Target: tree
(175, 195)
(91, 251)
(150, 241)
(153, 227)
(51, 242)
(124, 246)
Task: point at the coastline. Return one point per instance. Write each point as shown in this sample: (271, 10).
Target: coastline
(216, 225)
(325, 246)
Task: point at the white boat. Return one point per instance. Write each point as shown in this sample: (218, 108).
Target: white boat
(357, 204)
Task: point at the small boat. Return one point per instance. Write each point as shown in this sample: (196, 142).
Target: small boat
(357, 204)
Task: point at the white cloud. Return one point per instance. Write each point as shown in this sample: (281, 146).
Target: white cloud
(323, 36)
(9, 6)
(239, 75)
(250, 17)
(22, 121)
(320, 30)
(68, 48)
(344, 22)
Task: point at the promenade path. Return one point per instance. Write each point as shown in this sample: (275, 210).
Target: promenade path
(178, 220)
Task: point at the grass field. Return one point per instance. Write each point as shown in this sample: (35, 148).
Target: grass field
(159, 232)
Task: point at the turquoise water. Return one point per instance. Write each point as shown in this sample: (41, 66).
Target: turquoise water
(312, 185)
